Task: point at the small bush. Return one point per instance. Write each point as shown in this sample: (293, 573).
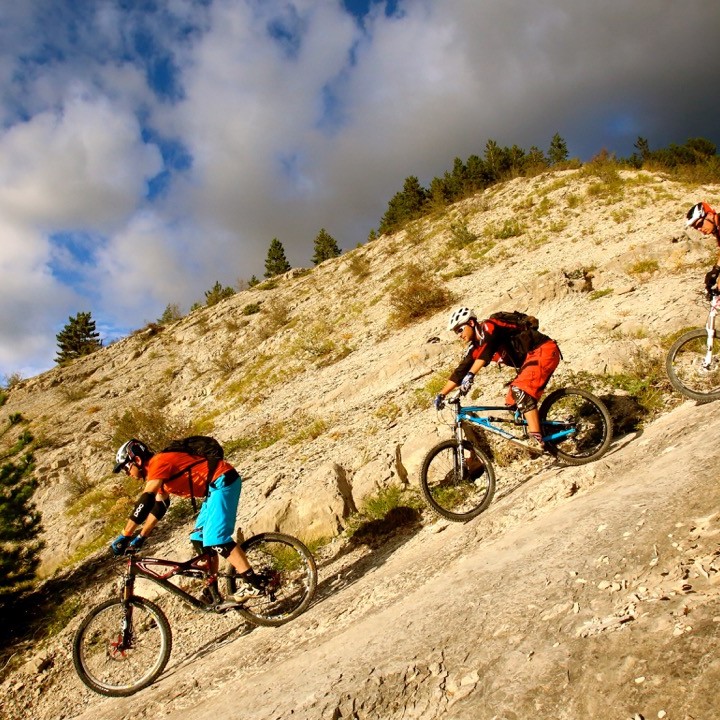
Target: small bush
(313, 428)
(597, 294)
(417, 294)
(359, 265)
(277, 314)
(641, 267)
(510, 228)
(462, 236)
(150, 423)
(266, 436)
(251, 309)
(79, 485)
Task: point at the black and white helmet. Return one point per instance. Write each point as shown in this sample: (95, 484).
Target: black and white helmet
(460, 317)
(695, 213)
(129, 451)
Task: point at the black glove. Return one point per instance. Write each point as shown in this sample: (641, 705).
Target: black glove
(439, 401)
(711, 279)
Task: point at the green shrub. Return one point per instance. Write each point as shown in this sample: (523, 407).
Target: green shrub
(310, 430)
(251, 309)
(359, 265)
(461, 236)
(150, 423)
(510, 228)
(646, 265)
(417, 294)
(265, 436)
(596, 294)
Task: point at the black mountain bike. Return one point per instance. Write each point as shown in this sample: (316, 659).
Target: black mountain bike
(123, 644)
(693, 362)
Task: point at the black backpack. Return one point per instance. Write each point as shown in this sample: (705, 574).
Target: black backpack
(522, 333)
(516, 319)
(202, 446)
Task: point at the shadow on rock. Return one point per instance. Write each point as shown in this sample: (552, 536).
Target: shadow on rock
(626, 412)
(381, 537)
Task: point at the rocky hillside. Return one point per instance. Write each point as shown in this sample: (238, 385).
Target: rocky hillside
(321, 395)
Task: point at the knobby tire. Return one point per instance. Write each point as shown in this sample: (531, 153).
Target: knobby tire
(450, 491)
(684, 366)
(102, 662)
(292, 574)
(587, 414)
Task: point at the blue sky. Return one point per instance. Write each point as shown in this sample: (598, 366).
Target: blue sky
(149, 148)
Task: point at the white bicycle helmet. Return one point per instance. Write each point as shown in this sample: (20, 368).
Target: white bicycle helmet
(129, 451)
(460, 317)
(695, 213)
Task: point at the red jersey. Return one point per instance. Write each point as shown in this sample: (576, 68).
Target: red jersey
(180, 471)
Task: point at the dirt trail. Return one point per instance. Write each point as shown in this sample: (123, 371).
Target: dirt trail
(585, 592)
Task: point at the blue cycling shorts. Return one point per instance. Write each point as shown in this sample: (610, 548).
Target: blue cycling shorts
(215, 524)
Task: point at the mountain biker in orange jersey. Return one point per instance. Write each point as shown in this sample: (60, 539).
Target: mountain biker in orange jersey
(175, 473)
(703, 218)
(534, 354)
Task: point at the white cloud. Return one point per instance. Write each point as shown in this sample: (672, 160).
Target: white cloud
(295, 117)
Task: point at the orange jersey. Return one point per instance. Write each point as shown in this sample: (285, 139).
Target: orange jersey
(180, 471)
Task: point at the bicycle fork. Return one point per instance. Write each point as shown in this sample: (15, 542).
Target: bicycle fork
(125, 639)
(710, 327)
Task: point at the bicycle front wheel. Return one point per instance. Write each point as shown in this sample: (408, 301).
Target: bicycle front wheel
(689, 371)
(576, 425)
(289, 570)
(121, 647)
(457, 486)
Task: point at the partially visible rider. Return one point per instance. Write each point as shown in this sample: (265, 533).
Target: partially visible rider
(703, 218)
(184, 475)
(533, 354)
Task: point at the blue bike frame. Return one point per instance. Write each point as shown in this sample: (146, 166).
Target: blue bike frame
(468, 414)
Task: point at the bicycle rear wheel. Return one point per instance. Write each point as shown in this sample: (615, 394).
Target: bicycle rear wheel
(289, 570)
(116, 660)
(687, 370)
(580, 423)
(457, 490)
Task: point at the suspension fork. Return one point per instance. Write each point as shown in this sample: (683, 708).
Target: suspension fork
(459, 457)
(128, 592)
(710, 327)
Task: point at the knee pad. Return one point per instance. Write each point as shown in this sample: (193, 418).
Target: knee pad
(524, 402)
(225, 549)
(160, 508)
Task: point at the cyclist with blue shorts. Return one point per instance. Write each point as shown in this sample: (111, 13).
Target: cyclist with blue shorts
(185, 475)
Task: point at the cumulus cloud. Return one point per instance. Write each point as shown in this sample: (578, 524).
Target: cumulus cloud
(148, 150)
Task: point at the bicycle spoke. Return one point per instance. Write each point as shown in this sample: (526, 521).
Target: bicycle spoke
(116, 662)
(576, 425)
(453, 491)
(689, 368)
(290, 576)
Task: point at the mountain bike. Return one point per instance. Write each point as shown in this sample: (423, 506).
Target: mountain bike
(123, 644)
(457, 478)
(693, 361)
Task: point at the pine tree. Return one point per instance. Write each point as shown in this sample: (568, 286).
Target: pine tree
(558, 152)
(325, 247)
(404, 206)
(276, 263)
(19, 520)
(171, 314)
(77, 338)
(217, 293)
